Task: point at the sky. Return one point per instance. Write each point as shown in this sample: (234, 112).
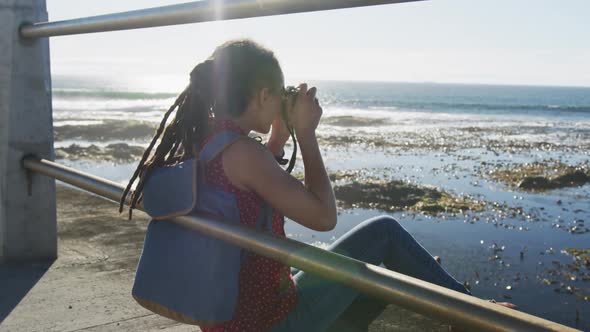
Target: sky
(530, 42)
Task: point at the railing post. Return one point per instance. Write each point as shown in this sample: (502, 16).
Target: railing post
(28, 227)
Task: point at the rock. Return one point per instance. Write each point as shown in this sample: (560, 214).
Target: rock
(573, 179)
(93, 149)
(118, 152)
(398, 195)
(570, 179)
(535, 183)
(61, 154)
(123, 151)
(545, 175)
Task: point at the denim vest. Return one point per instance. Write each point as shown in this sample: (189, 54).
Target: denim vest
(183, 274)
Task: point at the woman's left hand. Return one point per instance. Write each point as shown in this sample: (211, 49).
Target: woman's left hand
(278, 136)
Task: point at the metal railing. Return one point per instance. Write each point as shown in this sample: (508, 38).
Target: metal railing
(420, 296)
(192, 12)
(411, 293)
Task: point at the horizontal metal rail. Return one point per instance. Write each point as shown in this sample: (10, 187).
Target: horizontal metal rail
(428, 299)
(191, 12)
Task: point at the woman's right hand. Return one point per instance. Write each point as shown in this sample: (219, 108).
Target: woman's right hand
(306, 112)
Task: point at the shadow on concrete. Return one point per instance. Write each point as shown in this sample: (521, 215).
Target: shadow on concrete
(16, 280)
(359, 315)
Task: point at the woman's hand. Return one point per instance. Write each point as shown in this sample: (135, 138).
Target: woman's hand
(306, 112)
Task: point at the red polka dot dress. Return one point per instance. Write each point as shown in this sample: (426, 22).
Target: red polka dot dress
(267, 290)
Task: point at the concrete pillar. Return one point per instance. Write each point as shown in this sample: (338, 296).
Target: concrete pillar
(28, 227)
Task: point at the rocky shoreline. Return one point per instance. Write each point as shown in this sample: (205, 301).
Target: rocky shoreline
(115, 152)
(106, 130)
(496, 139)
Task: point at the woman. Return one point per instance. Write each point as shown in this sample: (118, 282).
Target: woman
(239, 90)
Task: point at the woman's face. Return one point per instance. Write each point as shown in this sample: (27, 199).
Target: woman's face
(265, 105)
(270, 108)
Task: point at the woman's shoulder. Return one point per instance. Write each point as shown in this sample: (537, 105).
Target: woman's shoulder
(246, 151)
(245, 161)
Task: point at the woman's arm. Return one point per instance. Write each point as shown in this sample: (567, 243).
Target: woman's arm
(316, 177)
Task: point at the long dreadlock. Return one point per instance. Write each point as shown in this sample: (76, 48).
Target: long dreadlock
(221, 85)
(188, 126)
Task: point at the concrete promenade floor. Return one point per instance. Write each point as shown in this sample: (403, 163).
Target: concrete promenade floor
(88, 287)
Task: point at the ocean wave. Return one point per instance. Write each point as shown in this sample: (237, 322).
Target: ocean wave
(60, 116)
(354, 121)
(110, 94)
(127, 105)
(72, 97)
(510, 107)
(107, 130)
(473, 107)
(383, 108)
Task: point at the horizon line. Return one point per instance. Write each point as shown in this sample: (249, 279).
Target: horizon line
(539, 85)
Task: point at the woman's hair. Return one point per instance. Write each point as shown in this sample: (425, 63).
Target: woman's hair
(221, 86)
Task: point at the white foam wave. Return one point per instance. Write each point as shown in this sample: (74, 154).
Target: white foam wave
(78, 104)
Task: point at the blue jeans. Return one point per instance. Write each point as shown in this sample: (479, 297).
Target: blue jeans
(380, 240)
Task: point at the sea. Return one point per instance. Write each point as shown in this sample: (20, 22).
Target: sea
(450, 137)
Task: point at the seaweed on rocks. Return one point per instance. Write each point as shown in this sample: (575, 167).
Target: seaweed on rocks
(542, 176)
(396, 195)
(363, 188)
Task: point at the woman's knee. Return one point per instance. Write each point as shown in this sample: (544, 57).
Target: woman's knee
(383, 223)
(378, 231)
